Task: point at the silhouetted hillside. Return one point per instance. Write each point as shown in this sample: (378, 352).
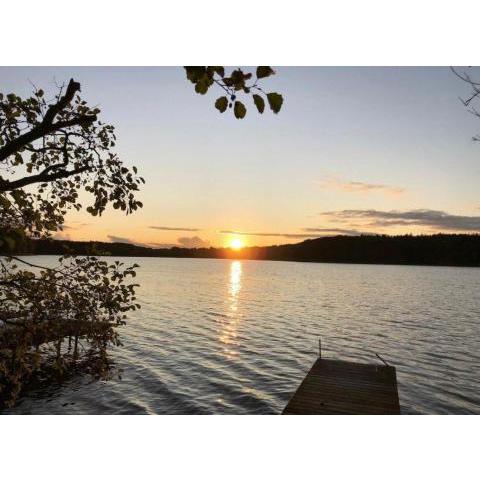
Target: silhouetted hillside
(441, 249)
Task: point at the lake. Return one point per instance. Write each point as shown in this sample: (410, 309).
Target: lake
(237, 337)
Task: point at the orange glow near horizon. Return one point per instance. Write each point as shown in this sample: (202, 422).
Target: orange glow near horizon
(236, 244)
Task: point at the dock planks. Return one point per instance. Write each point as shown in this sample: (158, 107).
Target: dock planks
(337, 387)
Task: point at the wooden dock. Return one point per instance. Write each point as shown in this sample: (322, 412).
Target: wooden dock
(336, 387)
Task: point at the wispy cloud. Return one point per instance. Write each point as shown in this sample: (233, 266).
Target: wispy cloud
(183, 242)
(163, 245)
(61, 236)
(333, 182)
(176, 229)
(115, 239)
(311, 233)
(193, 242)
(339, 231)
(81, 224)
(76, 225)
(433, 219)
(267, 234)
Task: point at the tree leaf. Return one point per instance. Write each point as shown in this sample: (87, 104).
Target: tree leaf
(202, 85)
(239, 109)
(263, 72)
(221, 104)
(195, 73)
(275, 100)
(259, 103)
(219, 70)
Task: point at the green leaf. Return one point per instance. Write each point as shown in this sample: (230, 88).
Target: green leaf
(202, 86)
(219, 70)
(194, 74)
(263, 72)
(221, 104)
(259, 103)
(275, 100)
(239, 109)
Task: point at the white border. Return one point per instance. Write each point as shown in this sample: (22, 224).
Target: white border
(143, 32)
(216, 447)
(368, 32)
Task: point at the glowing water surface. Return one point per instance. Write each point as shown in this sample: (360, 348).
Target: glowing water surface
(220, 336)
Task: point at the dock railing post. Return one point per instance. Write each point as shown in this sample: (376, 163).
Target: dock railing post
(319, 347)
(384, 361)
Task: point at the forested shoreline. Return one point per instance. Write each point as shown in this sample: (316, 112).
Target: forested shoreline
(439, 249)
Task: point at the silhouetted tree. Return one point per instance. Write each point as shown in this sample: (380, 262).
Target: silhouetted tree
(472, 101)
(64, 317)
(49, 150)
(439, 249)
(236, 83)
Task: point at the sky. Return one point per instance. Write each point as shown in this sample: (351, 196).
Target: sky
(353, 150)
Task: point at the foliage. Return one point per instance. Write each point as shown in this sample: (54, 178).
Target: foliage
(49, 151)
(58, 148)
(234, 84)
(52, 318)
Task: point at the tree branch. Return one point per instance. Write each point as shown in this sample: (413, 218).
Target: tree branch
(43, 177)
(47, 126)
(56, 108)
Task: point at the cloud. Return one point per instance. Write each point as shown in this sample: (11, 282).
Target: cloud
(333, 182)
(81, 224)
(61, 236)
(177, 229)
(193, 242)
(163, 245)
(313, 233)
(339, 231)
(262, 234)
(183, 242)
(433, 219)
(74, 227)
(115, 239)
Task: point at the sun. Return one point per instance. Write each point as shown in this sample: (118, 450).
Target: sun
(236, 244)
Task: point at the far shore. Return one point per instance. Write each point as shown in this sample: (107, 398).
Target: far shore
(448, 250)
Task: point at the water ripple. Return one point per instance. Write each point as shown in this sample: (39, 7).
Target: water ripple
(230, 337)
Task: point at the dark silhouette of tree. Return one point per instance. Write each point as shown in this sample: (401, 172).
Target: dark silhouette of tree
(439, 249)
(472, 101)
(236, 83)
(63, 319)
(49, 151)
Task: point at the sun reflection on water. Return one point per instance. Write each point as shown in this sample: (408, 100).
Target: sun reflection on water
(235, 284)
(228, 333)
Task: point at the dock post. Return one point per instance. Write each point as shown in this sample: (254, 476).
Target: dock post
(319, 347)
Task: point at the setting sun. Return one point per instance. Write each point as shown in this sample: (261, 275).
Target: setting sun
(236, 244)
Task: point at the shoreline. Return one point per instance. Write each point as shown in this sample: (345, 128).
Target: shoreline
(247, 260)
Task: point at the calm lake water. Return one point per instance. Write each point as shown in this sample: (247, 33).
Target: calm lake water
(237, 337)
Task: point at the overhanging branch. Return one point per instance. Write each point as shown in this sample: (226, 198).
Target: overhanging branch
(47, 127)
(44, 177)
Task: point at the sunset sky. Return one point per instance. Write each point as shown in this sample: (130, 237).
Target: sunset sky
(381, 150)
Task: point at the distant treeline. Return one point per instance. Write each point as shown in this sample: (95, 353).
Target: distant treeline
(441, 249)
